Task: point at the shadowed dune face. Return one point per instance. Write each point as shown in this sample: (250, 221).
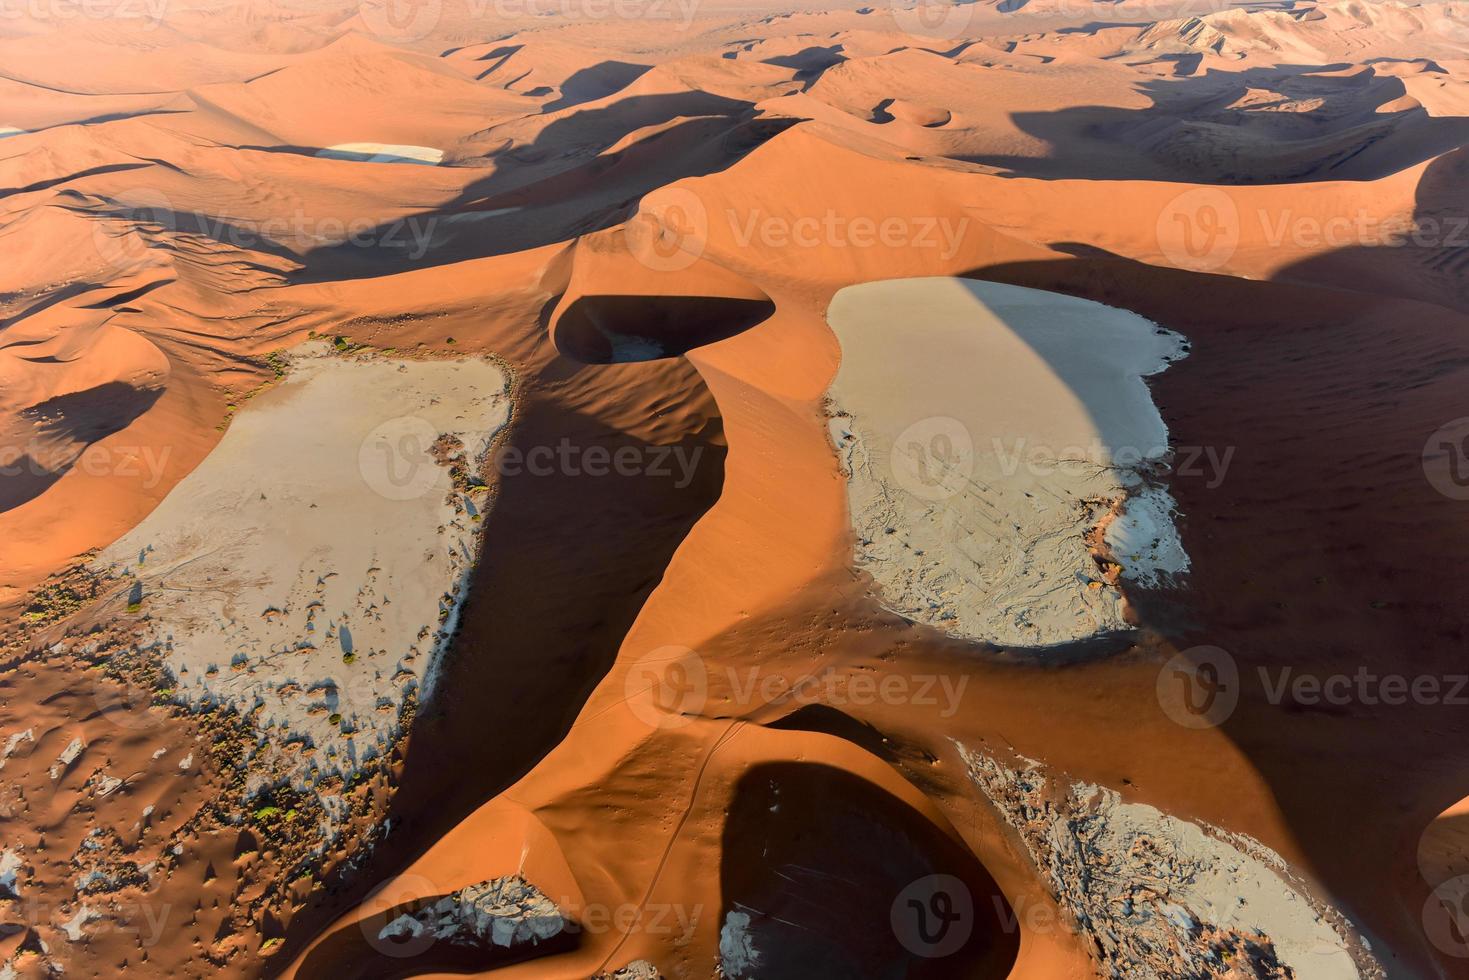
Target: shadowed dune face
(51, 437)
(1261, 125)
(825, 874)
(619, 329)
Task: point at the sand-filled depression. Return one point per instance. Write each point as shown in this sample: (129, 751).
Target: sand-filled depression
(999, 444)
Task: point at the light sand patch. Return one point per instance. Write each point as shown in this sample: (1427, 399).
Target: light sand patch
(998, 442)
(383, 153)
(312, 565)
(1162, 898)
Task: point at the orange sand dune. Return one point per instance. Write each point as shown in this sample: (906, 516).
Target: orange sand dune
(673, 717)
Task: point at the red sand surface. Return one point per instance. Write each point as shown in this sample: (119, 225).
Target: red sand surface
(1282, 187)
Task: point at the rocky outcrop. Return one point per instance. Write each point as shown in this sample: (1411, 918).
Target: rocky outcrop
(636, 970)
(506, 912)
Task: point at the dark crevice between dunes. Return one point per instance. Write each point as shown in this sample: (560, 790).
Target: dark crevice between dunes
(826, 874)
(619, 329)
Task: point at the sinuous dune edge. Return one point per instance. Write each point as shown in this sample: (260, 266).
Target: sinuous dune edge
(909, 490)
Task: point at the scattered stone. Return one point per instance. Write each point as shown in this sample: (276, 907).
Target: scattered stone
(636, 970)
(73, 928)
(68, 755)
(10, 865)
(505, 912)
(13, 742)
